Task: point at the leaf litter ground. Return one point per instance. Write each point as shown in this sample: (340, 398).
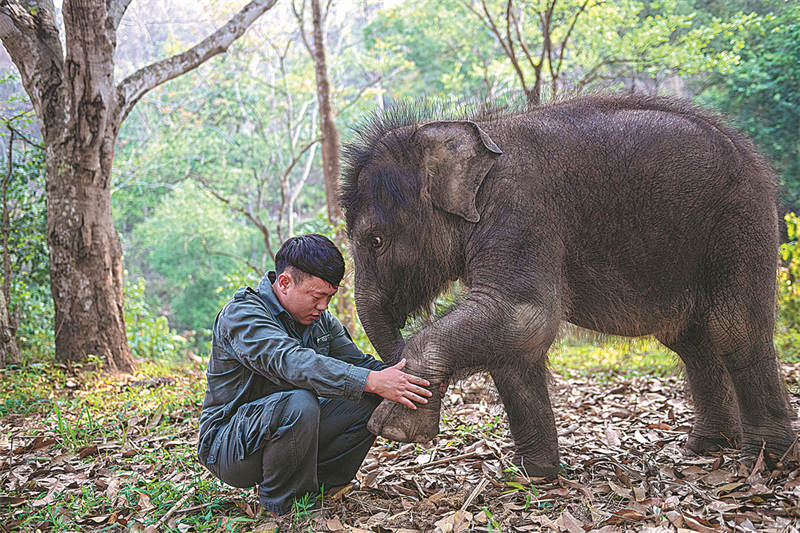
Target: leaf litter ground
(99, 455)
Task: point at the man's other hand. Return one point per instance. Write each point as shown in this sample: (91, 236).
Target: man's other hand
(395, 385)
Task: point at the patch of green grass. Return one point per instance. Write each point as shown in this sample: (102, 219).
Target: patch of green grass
(579, 354)
(74, 433)
(302, 512)
(28, 389)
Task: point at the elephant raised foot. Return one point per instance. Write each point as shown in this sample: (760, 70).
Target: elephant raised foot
(396, 422)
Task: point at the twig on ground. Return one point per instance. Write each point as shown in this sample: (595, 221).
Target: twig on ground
(178, 504)
(195, 507)
(440, 461)
(475, 492)
(421, 491)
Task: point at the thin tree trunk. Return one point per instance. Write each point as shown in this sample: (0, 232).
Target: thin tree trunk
(345, 309)
(327, 123)
(9, 353)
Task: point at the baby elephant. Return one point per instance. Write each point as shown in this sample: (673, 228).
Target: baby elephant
(626, 215)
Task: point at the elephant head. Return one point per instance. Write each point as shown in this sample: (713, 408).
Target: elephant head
(410, 194)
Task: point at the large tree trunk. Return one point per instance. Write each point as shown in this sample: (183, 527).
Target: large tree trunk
(9, 353)
(330, 157)
(85, 251)
(81, 110)
(85, 263)
(85, 256)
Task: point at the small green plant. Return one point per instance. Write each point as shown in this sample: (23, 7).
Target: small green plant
(302, 508)
(73, 434)
(492, 524)
(531, 493)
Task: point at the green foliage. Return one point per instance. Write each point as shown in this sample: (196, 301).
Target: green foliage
(787, 337)
(30, 300)
(621, 41)
(762, 93)
(582, 353)
(435, 48)
(445, 49)
(172, 249)
(302, 508)
(149, 335)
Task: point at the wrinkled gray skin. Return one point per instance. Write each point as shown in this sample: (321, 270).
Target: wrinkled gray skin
(629, 216)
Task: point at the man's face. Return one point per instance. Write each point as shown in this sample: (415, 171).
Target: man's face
(306, 300)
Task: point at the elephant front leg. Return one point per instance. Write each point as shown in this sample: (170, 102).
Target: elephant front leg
(523, 388)
(395, 421)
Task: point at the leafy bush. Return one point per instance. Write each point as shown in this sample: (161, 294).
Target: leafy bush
(30, 302)
(149, 336)
(787, 336)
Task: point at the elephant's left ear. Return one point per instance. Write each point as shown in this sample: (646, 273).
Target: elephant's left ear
(456, 156)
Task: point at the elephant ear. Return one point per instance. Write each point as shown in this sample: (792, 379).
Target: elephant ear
(456, 157)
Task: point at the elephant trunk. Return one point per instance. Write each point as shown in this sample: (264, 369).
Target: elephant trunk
(380, 324)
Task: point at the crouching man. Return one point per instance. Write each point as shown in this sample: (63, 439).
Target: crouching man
(285, 405)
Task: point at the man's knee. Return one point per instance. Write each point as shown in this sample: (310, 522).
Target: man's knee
(300, 410)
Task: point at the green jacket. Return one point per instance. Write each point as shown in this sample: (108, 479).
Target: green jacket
(258, 349)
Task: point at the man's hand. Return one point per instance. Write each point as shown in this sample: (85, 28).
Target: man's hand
(397, 386)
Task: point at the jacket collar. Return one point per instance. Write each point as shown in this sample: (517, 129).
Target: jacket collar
(268, 295)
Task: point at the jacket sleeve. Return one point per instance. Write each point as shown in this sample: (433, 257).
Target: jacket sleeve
(343, 347)
(262, 345)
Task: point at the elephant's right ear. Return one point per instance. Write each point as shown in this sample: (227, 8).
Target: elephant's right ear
(456, 157)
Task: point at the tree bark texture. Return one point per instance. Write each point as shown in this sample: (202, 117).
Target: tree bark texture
(9, 353)
(80, 110)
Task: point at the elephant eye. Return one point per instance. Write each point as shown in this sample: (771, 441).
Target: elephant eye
(377, 242)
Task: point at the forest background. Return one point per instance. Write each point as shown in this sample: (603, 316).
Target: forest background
(214, 169)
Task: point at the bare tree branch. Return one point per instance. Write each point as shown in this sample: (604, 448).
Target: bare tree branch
(23, 137)
(301, 23)
(31, 39)
(569, 34)
(131, 89)
(244, 260)
(524, 45)
(593, 73)
(295, 193)
(361, 92)
(255, 219)
(547, 44)
(489, 22)
(116, 9)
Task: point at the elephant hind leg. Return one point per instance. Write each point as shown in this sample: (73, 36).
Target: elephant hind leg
(734, 376)
(716, 423)
(765, 413)
(741, 322)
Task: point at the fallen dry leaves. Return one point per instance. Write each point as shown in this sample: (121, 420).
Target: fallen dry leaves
(620, 440)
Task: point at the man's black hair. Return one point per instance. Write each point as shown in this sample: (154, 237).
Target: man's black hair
(311, 254)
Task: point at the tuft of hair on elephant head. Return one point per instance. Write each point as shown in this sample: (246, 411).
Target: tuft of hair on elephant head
(628, 215)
